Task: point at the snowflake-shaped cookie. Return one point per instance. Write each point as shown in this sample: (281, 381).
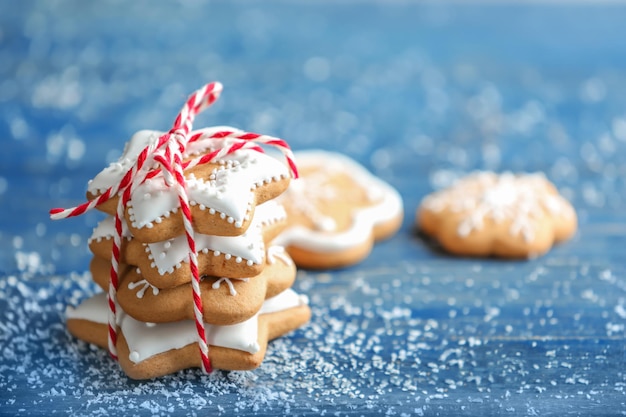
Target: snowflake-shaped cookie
(505, 215)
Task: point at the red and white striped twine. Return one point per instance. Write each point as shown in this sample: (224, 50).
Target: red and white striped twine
(167, 153)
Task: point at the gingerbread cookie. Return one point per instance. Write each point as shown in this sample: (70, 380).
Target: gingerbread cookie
(336, 210)
(165, 264)
(226, 300)
(506, 215)
(223, 194)
(101, 240)
(100, 269)
(148, 350)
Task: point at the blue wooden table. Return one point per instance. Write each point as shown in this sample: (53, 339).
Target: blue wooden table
(419, 94)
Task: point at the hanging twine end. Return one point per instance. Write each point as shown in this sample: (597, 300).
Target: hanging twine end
(206, 365)
(294, 169)
(56, 213)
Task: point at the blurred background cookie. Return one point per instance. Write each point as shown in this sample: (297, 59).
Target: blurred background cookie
(336, 210)
(507, 215)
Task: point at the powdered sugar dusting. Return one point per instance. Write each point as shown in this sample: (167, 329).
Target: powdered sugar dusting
(520, 199)
(373, 343)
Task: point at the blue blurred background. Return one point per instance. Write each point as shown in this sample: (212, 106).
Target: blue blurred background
(418, 92)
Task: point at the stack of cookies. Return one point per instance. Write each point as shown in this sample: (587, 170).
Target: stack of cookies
(245, 281)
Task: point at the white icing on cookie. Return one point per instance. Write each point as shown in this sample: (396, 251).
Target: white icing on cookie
(303, 193)
(486, 195)
(229, 192)
(144, 286)
(248, 247)
(275, 253)
(236, 179)
(283, 301)
(114, 173)
(93, 309)
(116, 170)
(146, 340)
(269, 213)
(149, 339)
(229, 282)
(106, 230)
(151, 202)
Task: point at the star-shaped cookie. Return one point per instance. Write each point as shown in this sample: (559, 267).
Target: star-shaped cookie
(165, 264)
(223, 194)
(225, 300)
(150, 350)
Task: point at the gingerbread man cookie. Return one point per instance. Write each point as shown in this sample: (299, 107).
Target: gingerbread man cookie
(505, 215)
(336, 210)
